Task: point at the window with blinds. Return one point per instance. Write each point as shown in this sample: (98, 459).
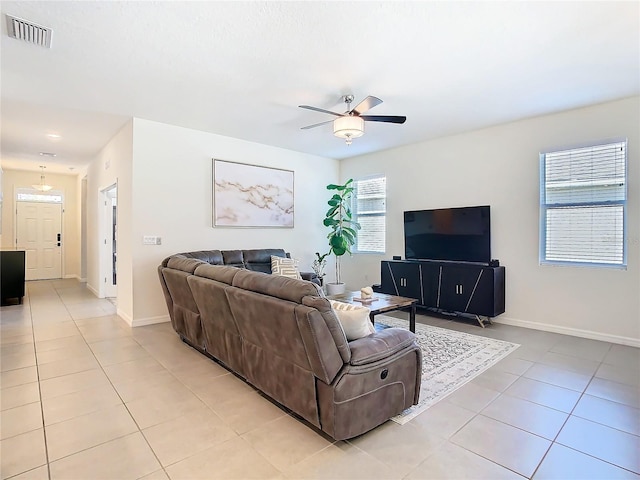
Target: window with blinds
(370, 210)
(583, 198)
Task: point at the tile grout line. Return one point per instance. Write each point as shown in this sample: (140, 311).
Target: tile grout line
(553, 442)
(35, 354)
(570, 414)
(101, 367)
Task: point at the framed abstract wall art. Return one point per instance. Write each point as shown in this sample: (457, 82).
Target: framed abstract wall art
(251, 196)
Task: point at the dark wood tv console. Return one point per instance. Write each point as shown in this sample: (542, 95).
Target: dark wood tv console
(447, 287)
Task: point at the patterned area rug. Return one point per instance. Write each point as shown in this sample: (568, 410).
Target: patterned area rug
(449, 360)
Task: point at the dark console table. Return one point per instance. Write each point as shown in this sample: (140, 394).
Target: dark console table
(12, 275)
(449, 287)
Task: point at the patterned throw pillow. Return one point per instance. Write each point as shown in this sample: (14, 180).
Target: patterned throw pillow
(354, 319)
(286, 267)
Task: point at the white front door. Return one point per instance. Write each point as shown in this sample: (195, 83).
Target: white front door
(38, 232)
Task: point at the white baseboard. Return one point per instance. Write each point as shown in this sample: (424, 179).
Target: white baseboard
(575, 332)
(77, 277)
(141, 322)
(93, 290)
(125, 317)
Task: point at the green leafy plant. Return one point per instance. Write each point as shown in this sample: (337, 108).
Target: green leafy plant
(319, 263)
(339, 219)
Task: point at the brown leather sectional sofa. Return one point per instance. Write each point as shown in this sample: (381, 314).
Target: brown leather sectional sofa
(281, 335)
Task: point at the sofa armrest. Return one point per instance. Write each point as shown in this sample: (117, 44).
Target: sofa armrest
(311, 277)
(380, 345)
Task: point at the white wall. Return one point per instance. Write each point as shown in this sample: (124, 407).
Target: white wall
(13, 179)
(499, 166)
(113, 164)
(172, 198)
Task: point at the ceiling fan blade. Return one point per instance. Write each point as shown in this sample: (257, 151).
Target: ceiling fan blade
(384, 118)
(316, 109)
(366, 104)
(315, 125)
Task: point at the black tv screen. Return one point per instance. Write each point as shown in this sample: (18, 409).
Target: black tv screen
(454, 234)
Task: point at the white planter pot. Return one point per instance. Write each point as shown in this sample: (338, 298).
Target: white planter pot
(335, 288)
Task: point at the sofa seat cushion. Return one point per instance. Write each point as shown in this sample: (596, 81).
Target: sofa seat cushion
(381, 345)
(285, 267)
(354, 319)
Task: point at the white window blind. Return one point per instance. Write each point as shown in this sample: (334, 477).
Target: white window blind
(370, 210)
(583, 196)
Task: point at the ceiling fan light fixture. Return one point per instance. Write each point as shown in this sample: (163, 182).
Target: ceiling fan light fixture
(348, 127)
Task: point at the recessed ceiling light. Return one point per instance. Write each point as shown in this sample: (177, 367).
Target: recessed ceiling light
(47, 154)
(53, 135)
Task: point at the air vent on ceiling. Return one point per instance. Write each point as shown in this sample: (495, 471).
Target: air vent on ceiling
(29, 31)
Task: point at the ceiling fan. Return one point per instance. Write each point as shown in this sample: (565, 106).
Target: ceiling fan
(350, 124)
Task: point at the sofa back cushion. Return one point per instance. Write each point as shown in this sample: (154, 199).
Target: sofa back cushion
(221, 336)
(233, 258)
(276, 286)
(185, 264)
(185, 315)
(220, 273)
(285, 345)
(260, 260)
(212, 257)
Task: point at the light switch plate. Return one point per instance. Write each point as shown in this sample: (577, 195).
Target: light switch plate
(151, 240)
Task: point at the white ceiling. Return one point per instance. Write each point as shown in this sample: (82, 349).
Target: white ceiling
(241, 69)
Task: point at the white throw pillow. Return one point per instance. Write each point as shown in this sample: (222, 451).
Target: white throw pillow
(286, 267)
(354, 319)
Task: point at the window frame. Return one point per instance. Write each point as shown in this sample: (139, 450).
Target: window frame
(544, 207)
(356, 214)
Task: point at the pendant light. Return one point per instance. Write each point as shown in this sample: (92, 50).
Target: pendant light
(42, 186)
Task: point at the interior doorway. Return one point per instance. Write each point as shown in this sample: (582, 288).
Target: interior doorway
(39, 234)
(108, 241)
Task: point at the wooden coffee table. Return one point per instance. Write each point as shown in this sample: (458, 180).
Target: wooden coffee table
(381, 303)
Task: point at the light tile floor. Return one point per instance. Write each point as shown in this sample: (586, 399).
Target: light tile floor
(86, 397)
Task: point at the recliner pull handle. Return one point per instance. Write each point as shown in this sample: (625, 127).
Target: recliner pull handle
(384, 373)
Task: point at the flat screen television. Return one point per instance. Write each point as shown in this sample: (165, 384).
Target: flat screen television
(453, 234)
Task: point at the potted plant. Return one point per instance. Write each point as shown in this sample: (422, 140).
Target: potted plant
(343, 228)
(318, 266)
